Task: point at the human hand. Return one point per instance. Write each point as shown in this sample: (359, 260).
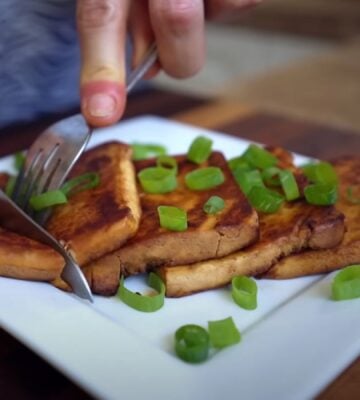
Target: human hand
(177, 26)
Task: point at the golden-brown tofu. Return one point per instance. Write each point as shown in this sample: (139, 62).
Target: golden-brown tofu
(24, 258)
(97, 221)
(348, 251)
(207, 236)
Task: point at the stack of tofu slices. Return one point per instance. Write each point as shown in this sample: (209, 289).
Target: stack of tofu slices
(116, 229)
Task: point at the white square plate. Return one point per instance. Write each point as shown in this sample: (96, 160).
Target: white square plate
(293, 344)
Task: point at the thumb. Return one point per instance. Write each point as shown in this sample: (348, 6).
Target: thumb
(102, 31)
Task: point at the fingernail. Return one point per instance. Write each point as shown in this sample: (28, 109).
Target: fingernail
(101, 105)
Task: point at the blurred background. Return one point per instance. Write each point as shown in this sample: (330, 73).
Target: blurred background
(300, 58)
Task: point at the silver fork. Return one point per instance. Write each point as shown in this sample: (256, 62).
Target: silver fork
(48, 162)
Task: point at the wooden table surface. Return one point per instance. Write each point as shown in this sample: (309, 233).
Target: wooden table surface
(23, 374)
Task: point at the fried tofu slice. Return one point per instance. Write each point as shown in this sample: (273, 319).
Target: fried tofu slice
(24, 258)
(348, 251)
(295, 227)
(207, 236)
(98, 221)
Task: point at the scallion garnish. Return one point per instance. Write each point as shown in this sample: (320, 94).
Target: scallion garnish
(167, 162)
(10, 184)
(204, 178)
(143, 302)
(322, 172)
(264, 199)
(142, 151)
(223, 333)
(47, 199)
(321, 194)
(192, 343)
(350, 196)
(214, 205)
(289, 185)
(346, 284)
(19, 160)
(80, 183)
(157, 180)
(271, 176)
(259, 157)
(172, 218)
(239, 163)
(247, 179)
(200, 149)
(244, 292)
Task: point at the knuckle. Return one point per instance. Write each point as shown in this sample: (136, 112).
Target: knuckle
(178, 14)
(96, 13)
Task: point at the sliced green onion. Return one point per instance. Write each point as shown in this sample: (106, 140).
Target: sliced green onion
(259, 157)
(214, 205)
(239, 163)
(223, 333)
(204, 178)
(142, 151)
(9, 188)
(172, 218)
(80, 183)
(47, 199)
(192, 343)
(271, 176)
(346, 284)
(322, 172)
(264, 199)
(167, 162)
(200, 149)
(289, 185)
(157, 180)
(244, 292)
(350, 196)
(142, 302)
(19, 160)
(321, 194)
(247, 179)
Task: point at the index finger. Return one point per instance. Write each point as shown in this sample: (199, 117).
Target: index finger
(102, 31)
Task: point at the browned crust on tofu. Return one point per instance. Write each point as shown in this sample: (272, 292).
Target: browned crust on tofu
(24, 258)
(288, 231)
(206, 237)
(348, 251)
(103, 275)
(97, 221)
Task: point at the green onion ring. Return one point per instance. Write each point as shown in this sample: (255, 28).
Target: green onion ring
(19, 160)
(271, 176)
(321, 194)
(192, 343)
(244, 292)
(200, 149)
(10, 184)
(223, 333)
(214, 205)
(167, 162)
(142, 151)
(346, 284)
(239, 163)
(172, 218)
(47, 199)
(264, 199)
(259, 157)
(204, 178)
(248, 179)
(289, 185)
(80, 183)
(322, 172)
(141, 302)
(157, 180)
